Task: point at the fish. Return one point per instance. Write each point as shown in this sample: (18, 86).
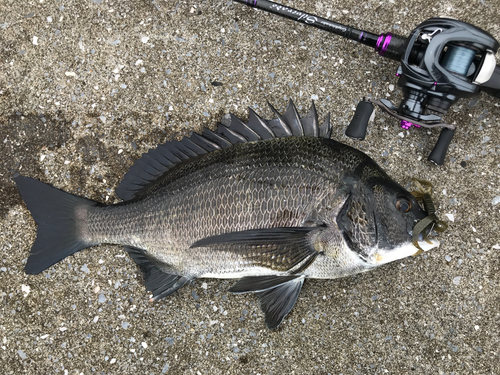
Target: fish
(267, 202)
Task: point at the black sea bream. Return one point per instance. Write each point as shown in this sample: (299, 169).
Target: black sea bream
(270, 202)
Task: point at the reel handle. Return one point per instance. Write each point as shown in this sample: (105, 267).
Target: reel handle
(438, 153)
(492, 86)
(359, 123)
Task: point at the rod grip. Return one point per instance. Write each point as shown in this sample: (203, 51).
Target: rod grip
(438, 153)
(359, 123)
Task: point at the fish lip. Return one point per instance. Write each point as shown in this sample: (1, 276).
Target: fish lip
(383, 256)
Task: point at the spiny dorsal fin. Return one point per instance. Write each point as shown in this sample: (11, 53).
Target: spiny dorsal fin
(157, 162)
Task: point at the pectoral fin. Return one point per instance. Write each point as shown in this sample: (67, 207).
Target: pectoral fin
(280, 249)
(277, 294)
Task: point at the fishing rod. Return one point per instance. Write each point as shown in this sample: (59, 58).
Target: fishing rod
(442, 61)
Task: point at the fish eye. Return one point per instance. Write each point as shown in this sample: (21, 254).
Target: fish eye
(403, 205)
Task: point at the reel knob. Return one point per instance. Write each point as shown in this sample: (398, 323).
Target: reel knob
(359, 123)
(438, 153)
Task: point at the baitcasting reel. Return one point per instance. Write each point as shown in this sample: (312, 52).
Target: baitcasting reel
(442, 61)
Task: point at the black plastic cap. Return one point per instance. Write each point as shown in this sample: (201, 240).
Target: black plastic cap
(438, 153)
(359, 123)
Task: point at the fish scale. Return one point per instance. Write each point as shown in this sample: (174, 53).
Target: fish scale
(230, 201)
(270, 202)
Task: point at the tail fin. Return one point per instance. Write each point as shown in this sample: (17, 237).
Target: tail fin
(55, 213)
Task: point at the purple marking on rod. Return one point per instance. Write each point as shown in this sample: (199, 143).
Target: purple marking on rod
(387, 41)
(361, 35)
(379, 42)
(397, 74)
(383, 42)
(435, 83)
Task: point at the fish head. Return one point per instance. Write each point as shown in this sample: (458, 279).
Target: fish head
(377, 222)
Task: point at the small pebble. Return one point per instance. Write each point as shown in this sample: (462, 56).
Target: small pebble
(25, 289)
(21, 354)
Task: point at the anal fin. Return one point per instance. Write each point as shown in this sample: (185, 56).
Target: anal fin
(156, 280)
(277, 294)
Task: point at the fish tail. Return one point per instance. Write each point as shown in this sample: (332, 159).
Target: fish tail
(59, 226)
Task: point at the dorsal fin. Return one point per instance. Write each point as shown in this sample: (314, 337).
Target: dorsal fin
(156, 162)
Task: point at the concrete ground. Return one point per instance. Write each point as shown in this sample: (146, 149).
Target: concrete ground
(87, 86)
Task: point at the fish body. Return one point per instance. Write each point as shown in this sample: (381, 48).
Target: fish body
(270, 202)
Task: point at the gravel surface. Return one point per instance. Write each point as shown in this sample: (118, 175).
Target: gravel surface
(87, 86)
